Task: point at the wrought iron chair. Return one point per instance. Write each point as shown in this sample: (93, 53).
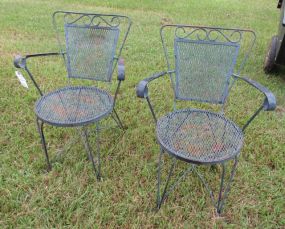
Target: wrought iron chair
(203, 65)
(91, 46)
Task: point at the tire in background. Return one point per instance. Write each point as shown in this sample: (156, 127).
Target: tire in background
(269, 63)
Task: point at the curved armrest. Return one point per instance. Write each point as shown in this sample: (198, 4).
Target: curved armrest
(121, 69)
(142, 90)
(21, 62)
(269, 101)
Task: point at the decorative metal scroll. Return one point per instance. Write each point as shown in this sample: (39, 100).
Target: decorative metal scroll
(209, 34)
(94, 20)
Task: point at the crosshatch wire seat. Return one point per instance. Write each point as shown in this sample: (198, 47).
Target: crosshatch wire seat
(90, 45)
(74, 106)
(199, 136)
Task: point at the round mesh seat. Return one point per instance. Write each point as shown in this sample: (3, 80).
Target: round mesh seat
(74, 106)
(199, 136)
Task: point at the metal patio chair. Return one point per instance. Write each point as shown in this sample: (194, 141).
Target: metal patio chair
(203, 65)
(91, 46)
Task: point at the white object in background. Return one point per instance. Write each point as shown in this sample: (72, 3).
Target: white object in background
(22, 79)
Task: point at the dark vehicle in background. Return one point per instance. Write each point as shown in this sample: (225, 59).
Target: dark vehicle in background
(276, 51)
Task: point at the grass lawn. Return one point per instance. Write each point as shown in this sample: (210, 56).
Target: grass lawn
(70, 195)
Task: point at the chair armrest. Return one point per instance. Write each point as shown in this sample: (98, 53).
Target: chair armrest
(121, 69)
(21, 62)
(269, 101)
(142, 89)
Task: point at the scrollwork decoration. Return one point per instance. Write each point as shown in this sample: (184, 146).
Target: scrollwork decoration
(94, 20)
(208, 34)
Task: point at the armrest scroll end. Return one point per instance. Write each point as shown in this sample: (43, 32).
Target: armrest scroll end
(19, 62)
(142, 90)
(121, 69)
(269, 102)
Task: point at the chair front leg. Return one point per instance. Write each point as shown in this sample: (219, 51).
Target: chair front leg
(40, 126)
(114, 114)
(160, 198)
(169, 188)
(224, 189)
(88, 148)
(117, 119)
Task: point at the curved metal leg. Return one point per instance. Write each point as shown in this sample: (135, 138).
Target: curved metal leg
(40, 126)
(98, 149)
(167, 190)
(89, 150)
(117, 119)
(222, 196)
(160, 199)
(223, 190)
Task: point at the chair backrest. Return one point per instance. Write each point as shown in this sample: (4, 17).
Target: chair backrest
(92, 43)
(203, 59)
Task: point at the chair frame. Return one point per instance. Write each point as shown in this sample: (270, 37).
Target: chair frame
(94, 19)
(269, 104)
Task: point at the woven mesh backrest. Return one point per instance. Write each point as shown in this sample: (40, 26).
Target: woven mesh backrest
(90, 51)
(203, 69)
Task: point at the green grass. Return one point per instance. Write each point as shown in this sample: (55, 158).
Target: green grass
(70, 195)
